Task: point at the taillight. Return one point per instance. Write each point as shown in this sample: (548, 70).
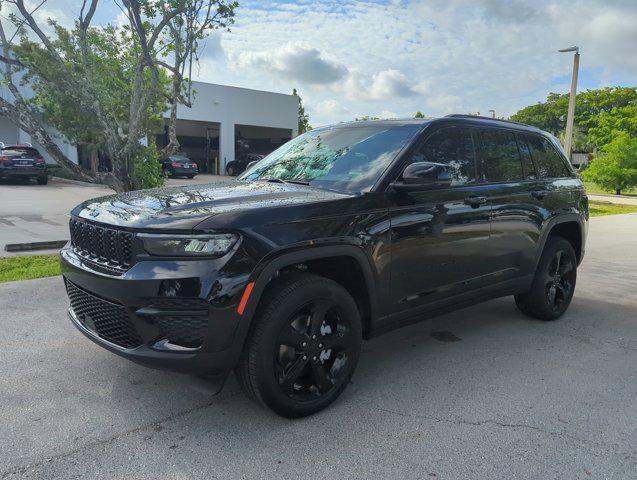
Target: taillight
(5, 160)
(39, 161)
(175, 164)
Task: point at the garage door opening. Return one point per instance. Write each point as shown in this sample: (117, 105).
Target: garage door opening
(252, 143)
(199, 141)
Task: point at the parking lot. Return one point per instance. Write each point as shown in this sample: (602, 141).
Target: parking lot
(512, 398)
(36, 213)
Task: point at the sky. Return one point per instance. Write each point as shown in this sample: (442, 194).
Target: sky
(392, 58)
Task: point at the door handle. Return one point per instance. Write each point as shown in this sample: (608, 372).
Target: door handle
(475, 202)
(539, 194)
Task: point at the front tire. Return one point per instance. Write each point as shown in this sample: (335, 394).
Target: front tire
(554, 282)
(303, 347)
(43, 180)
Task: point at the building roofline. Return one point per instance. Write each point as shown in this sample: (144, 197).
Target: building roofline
(242, 88)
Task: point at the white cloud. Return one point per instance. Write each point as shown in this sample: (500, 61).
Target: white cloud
(330, 108)
(295, 62)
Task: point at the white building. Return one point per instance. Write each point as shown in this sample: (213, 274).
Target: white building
(221, 118)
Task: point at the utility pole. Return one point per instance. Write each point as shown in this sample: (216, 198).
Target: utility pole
(568, 141)
(492, 113)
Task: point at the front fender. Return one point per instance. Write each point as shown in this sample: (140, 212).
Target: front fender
(267, 269)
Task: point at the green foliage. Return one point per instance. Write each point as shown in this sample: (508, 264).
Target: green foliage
(304, 118)
(365, 118)
(619, 119)
(591, 108)
(419, 114)
(616, 168)
(28, 267)
(105, 66)
(147, 170)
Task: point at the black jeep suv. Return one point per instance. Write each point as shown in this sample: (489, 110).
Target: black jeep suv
(341, 234)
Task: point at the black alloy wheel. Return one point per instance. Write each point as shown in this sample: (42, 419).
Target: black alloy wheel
(303, 347)
(312, 351)
(559, 280)
(554, 283)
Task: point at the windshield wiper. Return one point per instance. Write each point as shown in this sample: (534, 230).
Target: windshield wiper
(278, 180)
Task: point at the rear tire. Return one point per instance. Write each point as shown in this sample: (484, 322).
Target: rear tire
(303, 347)
(554, 282)
(43, 180)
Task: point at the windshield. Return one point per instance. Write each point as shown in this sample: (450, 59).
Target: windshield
(339, 158)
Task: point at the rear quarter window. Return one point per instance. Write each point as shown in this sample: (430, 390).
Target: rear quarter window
(548, 161)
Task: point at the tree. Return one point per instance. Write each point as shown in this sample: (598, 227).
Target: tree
(304, 118)
(112, 57)
(75, 66)
(590, 107)
(616, 168)
(180, 46)
(619, 119)
(419, 114)
(365, 118)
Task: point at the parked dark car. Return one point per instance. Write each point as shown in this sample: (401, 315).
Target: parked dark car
(22, 162)
(238, 166)
(341, 234)
(179, 166)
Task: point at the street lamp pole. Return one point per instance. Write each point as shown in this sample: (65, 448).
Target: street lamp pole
(568, 141)
(492, 113)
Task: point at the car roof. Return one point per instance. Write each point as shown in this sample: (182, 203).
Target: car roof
(453, 118)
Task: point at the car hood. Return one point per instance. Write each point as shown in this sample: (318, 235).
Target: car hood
(185, 207)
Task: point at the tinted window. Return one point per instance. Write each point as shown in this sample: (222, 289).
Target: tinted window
(548, 161)
(21, 151)
(525, 155)
(350, 158)
(454, 147)
(500, 156)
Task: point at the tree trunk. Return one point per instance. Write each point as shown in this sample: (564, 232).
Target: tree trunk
(618, 191)
(95, 161)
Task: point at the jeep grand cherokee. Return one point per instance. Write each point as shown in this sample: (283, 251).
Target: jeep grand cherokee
(341, 234)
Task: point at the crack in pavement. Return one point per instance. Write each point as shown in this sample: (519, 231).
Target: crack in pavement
(21, 470)
(478, 423)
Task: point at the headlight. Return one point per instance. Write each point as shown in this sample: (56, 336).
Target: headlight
(214, 245)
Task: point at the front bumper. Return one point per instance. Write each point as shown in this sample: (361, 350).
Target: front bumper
(143, 316)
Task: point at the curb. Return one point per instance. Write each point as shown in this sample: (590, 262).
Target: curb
(25, 247)
(79, 182)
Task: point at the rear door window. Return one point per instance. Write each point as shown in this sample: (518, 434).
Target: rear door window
(500, 156)
(452, 146)
(548, 161)
(525, 156)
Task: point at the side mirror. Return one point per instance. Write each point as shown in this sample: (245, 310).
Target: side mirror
(424, 174)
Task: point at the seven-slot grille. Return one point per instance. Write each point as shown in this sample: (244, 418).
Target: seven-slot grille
(108, 320)
(107, 247)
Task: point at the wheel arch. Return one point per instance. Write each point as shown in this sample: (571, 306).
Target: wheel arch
(354, 273)
(571, 227)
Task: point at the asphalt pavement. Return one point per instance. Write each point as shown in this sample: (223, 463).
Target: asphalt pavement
(511, 398)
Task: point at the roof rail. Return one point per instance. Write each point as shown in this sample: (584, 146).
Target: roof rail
(463, 115)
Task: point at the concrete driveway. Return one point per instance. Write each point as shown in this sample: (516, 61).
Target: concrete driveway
(34, 213)
(512, 399)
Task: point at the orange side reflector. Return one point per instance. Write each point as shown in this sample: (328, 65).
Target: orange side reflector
(245, 298)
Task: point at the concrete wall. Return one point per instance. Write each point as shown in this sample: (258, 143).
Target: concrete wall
(230, 106)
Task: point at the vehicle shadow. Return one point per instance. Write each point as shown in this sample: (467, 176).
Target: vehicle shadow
(439, 362)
